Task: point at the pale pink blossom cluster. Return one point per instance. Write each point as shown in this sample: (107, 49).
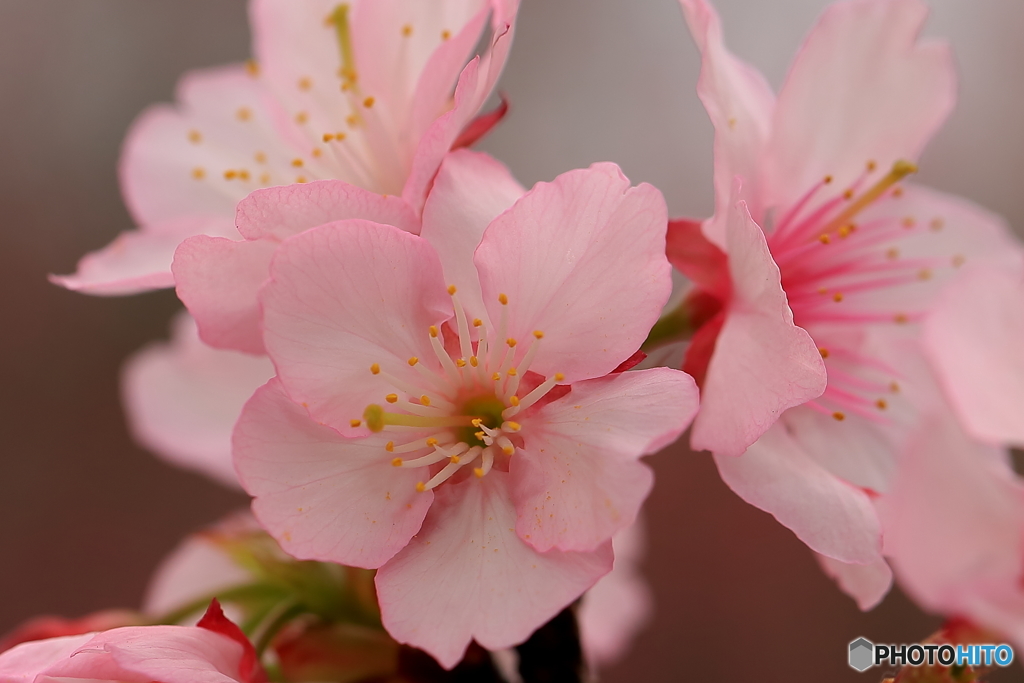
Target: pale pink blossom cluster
(425, 374)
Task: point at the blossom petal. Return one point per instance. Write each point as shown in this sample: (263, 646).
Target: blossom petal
(867, 584)
(343, 297)
(974, 338)
(577, 480)
(581, 259)
(471, 189)
(321, 495)
(22, 663)
(861, 89)
(139, 260)
(468, 576)
(762, 363)
(217, 280)
(829, 515)
(740, 103)
(182, 399)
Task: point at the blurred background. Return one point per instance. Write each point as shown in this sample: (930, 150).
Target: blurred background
(87, 514)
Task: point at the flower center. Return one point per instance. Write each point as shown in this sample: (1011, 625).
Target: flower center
(458, 413)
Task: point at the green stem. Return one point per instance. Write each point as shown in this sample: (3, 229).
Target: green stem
(235, 594)
(676, 325)
(288, 612)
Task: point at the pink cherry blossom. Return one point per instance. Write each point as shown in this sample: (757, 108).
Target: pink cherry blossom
(358, 90)
(182, 399)
(619, 604)
(214, 652)
(448, 415)
(954, 521)
(975, 338)
(831, 257)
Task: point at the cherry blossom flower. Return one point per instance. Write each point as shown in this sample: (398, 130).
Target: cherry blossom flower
(830, 254)
(182, 399)
(356, 90)
(974, 338)
(445, 407)
(215, 651)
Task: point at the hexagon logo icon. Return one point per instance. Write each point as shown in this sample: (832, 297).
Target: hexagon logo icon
(862, 654)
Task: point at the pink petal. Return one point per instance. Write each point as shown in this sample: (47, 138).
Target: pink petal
(139, 260)
(953, 522)
(22, 663)
(169, 654)
(974, 338)
(867, 584)
(861, 89)
(474, 87)
(182, 399)
(690, 252)
(739, 102)
(321, 495)
(829, 515)
(762, 363)
(470, 190)
(467, 576)
(217, 280)
(341, 298)
(581, 259)
(577, 481)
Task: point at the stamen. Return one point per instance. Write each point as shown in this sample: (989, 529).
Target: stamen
(506, 446)
(442, 355)
(900, 170)
(534, 396)
(451, 468)
(465, 343)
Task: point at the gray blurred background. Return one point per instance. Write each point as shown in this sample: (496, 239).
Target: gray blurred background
(87, 514)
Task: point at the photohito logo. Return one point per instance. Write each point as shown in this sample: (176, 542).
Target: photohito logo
(864, 654)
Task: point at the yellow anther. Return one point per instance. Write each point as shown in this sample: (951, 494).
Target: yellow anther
(881, 404)
(300, 179)
(305, 83)
(195, 137)
(839, 416)
(513, 426)
(476, 422)
(894, 387)
(477, 322)
(479, 472)
(503, 299)
(924, 274)
(297, 163)
(198, 173)
(511, 342)
(908, 222)
(827, 179)
(823, 351)
(538, 334)
(454, 459)
(433, 330)
(317, 153)
(871, 165)
(496, 376)
(230, 174)
(512, 372)
(845, 231)
(892, 254)
(368, 102)
(451, 289)
(837, 297)
(413, 361)
(328, 137)
(460, 362)
(421, 487)
(425, 400)
(822, 290)
(936, 224)
(431, 442)
(513, 400)
(473, 361)
(243, 174)
(244, 113)
(260, 157)
(375, 369)
(397, 462)
(508, 450)
(391, 398)
(848, 194)
(898, 192)
(480, 435)
(390, 448)
(374, 416)
(352, 120)
(252, 68)
(301, 118)
(559, 377)
(900, 318)
(355, 423)
(265, 178)
(958, 261)
(407, 30)
(824, 239)
(339, 136)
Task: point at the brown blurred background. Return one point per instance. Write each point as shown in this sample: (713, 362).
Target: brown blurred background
(87, 514)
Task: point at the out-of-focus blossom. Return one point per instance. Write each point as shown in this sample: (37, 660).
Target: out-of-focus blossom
(975, 339)
(954, 521)
(215, 651)
(827, 252)
(182, 399)
(44, 627)
(357, 90)
(443, 408)
(620, 603)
